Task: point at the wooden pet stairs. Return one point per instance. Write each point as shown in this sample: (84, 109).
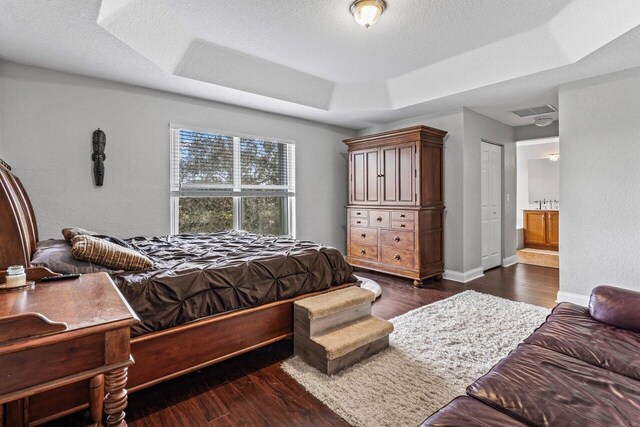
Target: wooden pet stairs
(335, 330)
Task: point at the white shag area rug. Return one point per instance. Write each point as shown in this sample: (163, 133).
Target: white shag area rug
(435, 352)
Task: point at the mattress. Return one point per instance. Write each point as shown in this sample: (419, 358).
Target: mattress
(201, 275)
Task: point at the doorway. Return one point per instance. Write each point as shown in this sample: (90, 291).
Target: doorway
(491, 197)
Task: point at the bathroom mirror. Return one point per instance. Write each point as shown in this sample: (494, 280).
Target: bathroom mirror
(544, 180)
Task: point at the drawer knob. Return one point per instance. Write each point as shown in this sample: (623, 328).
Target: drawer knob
(363, 235)
(403, 225)
(359, 222)
(363, 252)
(397, 238)
(397, 257)
(379, 219)
(402, 216)
(358, 213)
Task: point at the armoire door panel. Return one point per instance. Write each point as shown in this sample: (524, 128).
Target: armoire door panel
(389, 174)
(358, 177)
(406, 174)
(373, 178)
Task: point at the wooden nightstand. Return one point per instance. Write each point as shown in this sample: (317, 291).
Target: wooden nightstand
(61, 332)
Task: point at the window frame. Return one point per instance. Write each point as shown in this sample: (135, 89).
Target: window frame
(235, 190)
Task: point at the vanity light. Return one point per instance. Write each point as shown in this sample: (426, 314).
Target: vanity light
(554, 157)
(367, 12)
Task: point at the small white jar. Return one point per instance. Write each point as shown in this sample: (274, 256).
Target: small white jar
(16, 277)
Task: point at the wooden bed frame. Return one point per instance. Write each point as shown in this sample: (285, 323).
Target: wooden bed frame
(159, 356)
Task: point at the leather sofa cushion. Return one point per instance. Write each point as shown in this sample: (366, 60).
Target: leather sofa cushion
(545, 388)
(569, 329)
(616, 306)
(466, 411)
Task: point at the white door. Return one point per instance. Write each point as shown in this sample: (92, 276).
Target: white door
(491, 205)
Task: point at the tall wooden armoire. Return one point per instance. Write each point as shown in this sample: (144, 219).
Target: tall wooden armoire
(394, 222)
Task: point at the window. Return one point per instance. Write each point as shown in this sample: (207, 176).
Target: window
(221, 181)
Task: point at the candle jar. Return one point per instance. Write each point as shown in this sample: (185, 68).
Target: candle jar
(16, 277)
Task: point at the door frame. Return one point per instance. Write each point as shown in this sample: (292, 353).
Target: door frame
(502, 201)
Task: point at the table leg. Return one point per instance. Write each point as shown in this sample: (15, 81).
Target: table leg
(96, 399)
(115, 401)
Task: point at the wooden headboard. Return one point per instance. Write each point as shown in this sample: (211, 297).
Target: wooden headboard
(18, 229)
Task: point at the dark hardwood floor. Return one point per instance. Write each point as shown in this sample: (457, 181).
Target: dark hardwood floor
(252, 389)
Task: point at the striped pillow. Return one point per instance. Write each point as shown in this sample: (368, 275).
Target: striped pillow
(71, 232)
(99, 251)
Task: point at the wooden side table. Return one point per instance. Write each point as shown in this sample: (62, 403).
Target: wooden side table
(62, 332)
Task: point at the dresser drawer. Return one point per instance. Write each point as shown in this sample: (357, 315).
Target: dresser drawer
(397, 239)
(359, 213)
(359, 222)
(379, 219)
(398, 257)
(403, 225)
(363, 251)
(403, 216)
(363, 236)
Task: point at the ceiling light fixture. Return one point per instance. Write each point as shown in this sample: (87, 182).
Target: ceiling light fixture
(554, 157)
(367, 12)
(543, 121)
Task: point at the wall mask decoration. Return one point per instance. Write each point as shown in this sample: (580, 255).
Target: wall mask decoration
(98, 156)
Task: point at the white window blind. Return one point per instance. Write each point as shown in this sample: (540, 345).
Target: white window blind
(221, 180)
(208, 163)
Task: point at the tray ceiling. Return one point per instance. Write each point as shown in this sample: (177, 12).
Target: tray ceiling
(310, 59)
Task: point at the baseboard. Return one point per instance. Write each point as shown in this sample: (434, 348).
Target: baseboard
(582, 300)
(509, 261)
(463, 277)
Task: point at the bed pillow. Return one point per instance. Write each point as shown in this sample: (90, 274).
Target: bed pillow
(99, 251)
(71, 232)
(56, 256)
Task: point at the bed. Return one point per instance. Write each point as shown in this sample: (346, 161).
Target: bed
(206, 299)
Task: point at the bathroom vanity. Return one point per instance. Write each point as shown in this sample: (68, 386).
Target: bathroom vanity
(541, 229)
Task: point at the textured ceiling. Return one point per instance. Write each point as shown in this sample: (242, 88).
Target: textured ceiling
(320, 38)
(309, 59)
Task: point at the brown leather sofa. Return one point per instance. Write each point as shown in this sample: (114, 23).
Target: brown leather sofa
(580, 368)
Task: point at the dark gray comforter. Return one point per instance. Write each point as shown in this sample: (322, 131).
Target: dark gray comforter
(199, 275)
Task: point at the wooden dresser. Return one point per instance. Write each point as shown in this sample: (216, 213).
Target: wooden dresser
(394, 222)
(541, 229)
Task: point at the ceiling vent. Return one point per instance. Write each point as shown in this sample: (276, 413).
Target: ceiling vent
(535, 111)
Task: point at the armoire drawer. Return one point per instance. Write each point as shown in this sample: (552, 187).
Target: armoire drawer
(363, 236)
(359, 222)
(398, 257)
(403, 225)
(397, 239)
(402, 216)
(379, 219)
(359, 213)
(363, 251)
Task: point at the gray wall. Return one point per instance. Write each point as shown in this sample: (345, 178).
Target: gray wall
(522, 133)
(476, 128)
(599, 184)
(463, 233)
(47, 119)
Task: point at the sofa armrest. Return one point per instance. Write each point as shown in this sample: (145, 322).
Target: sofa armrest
(616, 306)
